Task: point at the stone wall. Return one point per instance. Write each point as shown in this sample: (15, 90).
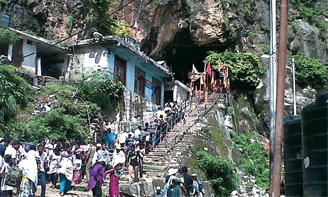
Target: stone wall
(134, 110)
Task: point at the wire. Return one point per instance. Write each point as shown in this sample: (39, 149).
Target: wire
(87, 28)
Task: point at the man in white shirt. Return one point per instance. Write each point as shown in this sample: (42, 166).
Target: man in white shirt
(122, 137)
(118, 156)
(12, 150)
(103, 154)
(159, 113)
(137, 132)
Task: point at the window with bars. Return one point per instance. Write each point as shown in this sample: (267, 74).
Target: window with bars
(120, 69)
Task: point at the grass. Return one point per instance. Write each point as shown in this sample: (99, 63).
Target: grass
(154, 168)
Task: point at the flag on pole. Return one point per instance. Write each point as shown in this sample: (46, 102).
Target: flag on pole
(226, 70)
(209, 69)
(220, 65)
(194, 70)
(136, 27)
(213, 78)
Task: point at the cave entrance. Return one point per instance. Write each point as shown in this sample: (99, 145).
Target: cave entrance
(181, 57)
(183, 52)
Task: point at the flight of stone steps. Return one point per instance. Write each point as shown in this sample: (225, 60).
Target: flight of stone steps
(167, 154)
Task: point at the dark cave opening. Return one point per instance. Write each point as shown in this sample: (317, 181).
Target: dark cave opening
(182, 53)
(184, 56)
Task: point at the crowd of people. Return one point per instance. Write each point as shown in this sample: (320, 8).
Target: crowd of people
(179, 183)
(63, 164)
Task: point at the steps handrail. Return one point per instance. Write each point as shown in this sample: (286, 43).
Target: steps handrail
(201, 114)
(210, 107)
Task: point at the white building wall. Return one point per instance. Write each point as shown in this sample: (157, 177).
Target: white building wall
(10, 52)
(29, 62)
(180, 92)
(87, 60)
(94, 59)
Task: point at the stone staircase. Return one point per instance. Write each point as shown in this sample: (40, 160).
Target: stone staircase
(167, 154)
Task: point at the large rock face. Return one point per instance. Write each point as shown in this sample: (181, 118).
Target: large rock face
(52, 19)
(167, 22)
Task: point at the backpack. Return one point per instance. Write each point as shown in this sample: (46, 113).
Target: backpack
(200, 186)
(14, 176)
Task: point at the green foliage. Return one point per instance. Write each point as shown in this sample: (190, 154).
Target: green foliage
(55, 124)
(70, 23)
(310, 71)
(231, 30)
(67, 119)
(313, 14)
(323, 27)
(254, 34)
(32, 33)
(13, 91)
(243, 67)
(245, 13)
(220, 171)
(254, 157)
(119, 28)
(265, 48)
(71, 107)
(107, 26)
(8, 37)
(71, 104)
(99, 88)
(100, 10)
(61, 124)
(294, 27)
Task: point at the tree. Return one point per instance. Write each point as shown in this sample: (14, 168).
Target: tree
(13, 91)
(310, 71)
(243, 67)
(220, 171)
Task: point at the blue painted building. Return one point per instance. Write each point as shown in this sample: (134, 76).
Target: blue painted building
(139, 73)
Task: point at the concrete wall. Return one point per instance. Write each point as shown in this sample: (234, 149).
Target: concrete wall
(180, 92)
(88, 59)
(135, 110)
(29, 62)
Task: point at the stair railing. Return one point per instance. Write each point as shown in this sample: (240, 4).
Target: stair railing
(189, 124)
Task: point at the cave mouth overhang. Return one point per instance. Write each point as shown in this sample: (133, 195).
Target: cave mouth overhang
(181, 57)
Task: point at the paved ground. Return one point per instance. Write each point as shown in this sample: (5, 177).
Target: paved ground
(80, 190)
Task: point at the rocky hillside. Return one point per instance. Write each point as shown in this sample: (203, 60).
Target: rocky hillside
(179, 30)
(164, 23)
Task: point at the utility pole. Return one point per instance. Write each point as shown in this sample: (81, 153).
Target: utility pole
(294, 86)
(273, 79)
(279, 129)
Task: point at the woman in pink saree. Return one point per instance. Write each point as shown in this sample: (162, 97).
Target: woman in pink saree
(115, 174)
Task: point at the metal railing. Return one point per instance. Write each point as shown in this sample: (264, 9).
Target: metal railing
(189, 124)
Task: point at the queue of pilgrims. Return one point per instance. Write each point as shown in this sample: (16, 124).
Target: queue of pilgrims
(63, 164)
